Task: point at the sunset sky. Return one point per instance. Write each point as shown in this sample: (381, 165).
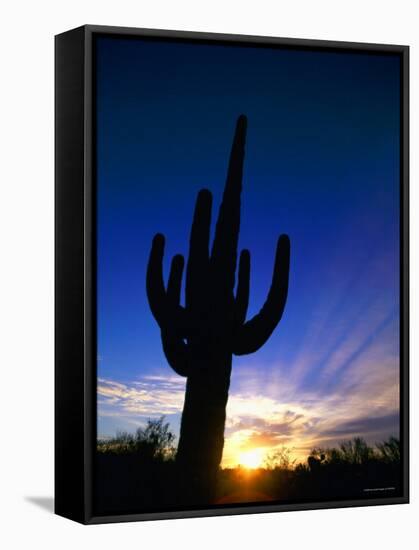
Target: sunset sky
(322, 165)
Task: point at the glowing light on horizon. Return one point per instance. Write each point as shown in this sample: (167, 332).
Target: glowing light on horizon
(252, 459)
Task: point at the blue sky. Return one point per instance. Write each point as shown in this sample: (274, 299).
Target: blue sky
(322, 165)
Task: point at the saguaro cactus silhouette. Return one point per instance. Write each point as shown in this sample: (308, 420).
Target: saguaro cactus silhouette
(200, 338)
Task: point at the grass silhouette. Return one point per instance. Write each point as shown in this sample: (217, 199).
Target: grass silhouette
(154, 442)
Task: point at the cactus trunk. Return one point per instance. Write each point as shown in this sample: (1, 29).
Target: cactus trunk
(201, 440)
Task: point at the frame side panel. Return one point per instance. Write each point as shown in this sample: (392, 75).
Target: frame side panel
(69, 274)
(405, 274)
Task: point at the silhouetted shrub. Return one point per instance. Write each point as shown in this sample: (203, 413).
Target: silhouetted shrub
(154, 442)
(279, 458)
(389, 450)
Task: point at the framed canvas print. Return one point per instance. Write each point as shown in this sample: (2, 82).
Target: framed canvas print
(231, 274)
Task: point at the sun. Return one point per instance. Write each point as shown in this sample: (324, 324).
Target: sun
(251, 459)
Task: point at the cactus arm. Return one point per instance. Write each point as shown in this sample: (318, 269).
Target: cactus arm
(156, 293)
(176, 351)
(256, 332)
(224, 249)
(175, 281)
(165, 306)
(197, 268)
(164, 309)
(242, 293)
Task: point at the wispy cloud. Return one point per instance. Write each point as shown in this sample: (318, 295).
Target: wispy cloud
(149, 396)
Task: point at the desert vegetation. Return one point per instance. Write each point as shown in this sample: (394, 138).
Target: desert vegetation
(138, 472)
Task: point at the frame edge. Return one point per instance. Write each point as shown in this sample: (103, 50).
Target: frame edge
(69, 284)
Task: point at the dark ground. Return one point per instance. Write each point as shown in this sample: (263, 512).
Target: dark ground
(131, 482)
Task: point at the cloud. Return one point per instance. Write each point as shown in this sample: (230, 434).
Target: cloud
(388, 423)
(268, 439)
(150, 396)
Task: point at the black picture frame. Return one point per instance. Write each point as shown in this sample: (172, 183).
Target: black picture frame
(75, 270)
